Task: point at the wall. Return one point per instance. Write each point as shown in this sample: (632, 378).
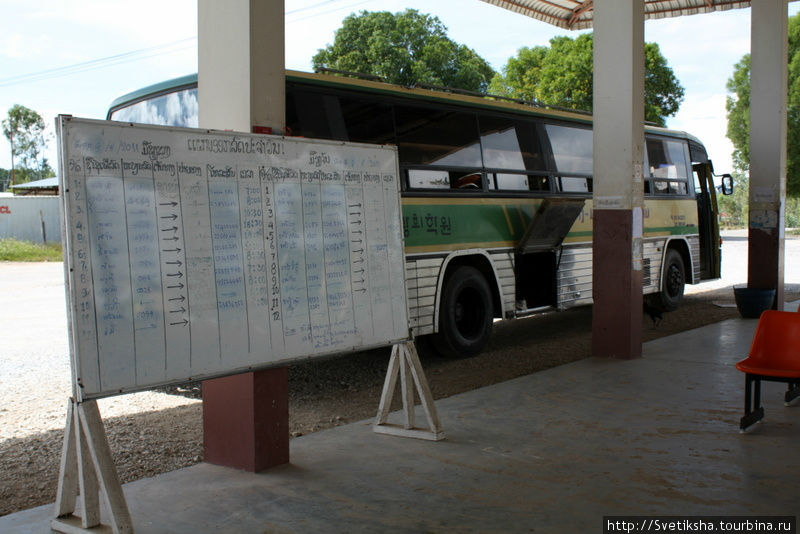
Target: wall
(24, 218)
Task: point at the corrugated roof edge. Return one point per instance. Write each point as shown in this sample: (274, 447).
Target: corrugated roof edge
(326, 79)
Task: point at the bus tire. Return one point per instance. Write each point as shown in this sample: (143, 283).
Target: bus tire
(673, 281)
(465, 316)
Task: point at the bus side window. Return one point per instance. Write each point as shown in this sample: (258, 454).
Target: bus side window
(428, 179)
(572, 153)
(666, 158)
(572, 148)
(575, 185)
(312, 114)
(430, 136)
(667, 166)
(366, 121)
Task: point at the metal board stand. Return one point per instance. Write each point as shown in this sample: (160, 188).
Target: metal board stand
(404, 362)
(87, 475)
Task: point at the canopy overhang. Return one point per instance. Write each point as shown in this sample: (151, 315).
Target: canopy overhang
(579, 14)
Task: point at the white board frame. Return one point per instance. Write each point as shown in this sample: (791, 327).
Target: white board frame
(119, 181)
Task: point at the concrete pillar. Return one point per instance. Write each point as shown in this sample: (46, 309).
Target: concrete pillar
(768, 101)
(618, 187)
(241, 86)
(241, 67)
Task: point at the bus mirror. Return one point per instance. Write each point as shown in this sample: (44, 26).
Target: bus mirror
(727, 184)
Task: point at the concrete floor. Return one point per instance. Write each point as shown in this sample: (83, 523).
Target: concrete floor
(551, 452)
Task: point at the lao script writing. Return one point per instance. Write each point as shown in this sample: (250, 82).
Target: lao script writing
(200, 254)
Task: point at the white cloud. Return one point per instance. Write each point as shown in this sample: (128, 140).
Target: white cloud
(704, 116)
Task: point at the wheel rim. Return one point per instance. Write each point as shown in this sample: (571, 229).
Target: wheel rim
(469, 314)
(674, 281)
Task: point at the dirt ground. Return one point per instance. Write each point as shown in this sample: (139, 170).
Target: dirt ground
(333, 392)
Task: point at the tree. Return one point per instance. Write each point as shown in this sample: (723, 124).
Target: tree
(24, 129)
(561, 75)
(738, 108)
(5, 177)
(404, 48)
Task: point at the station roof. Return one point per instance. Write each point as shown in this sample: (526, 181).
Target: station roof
(38, 186)
(579, 14)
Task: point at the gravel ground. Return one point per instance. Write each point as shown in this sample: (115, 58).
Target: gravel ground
(158, 431)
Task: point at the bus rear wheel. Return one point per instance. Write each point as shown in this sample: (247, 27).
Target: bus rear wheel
(465, 316)
(673, 281)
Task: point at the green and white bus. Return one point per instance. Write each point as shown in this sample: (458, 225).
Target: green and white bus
(496, 196)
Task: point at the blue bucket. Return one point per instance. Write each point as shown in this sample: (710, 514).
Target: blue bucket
(751, 301)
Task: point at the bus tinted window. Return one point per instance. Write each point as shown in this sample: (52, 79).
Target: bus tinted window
(572, 149)
(510, 144)
(311, 114)
(666, 158)
(172, 109)
(367, 122)
(344, 118)
(437, 137)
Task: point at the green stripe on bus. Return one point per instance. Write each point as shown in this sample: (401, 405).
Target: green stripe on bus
(426, 225)
(431, 225)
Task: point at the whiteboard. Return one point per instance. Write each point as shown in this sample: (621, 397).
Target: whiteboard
(191, 254)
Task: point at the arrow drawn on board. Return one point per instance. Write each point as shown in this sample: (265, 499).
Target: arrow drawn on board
(179, 286)
(359, 260)
(359, 281)
(182, 310)
(354, 205)
(173, 229)
(358, 251)
(173, 204)
(178, 274)
(184, 323)
(173, 217)
(362, 290)
(181, 298)
(178, 263)
(176, 249)
(174, 238)
(360, 271)
(355, 222)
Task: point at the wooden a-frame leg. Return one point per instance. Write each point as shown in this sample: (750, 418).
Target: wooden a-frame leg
(404, 363)
(88, 473)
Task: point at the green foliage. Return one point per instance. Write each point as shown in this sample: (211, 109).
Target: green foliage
(14, 250)
(561, 75)
(24, 129)
(738, 108)
(404, 48)
(733, 208)
(5, 177)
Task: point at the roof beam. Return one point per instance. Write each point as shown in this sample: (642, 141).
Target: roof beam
(588, 5)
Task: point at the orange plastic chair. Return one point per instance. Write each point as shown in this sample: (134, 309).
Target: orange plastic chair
(774, 356)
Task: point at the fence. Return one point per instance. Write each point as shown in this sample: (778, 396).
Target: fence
(34, 219)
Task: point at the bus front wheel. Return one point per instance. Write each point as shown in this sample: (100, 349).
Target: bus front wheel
(465, 316)
(673, 281)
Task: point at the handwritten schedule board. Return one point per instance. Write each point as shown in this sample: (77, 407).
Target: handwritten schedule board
(192, 253)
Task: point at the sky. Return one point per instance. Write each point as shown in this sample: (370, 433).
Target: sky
(76, 56)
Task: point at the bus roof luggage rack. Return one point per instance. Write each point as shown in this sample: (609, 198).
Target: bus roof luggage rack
(453, 90)
(550, 224)
(351, 74)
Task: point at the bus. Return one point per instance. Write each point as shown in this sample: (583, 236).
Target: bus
(496, 196)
